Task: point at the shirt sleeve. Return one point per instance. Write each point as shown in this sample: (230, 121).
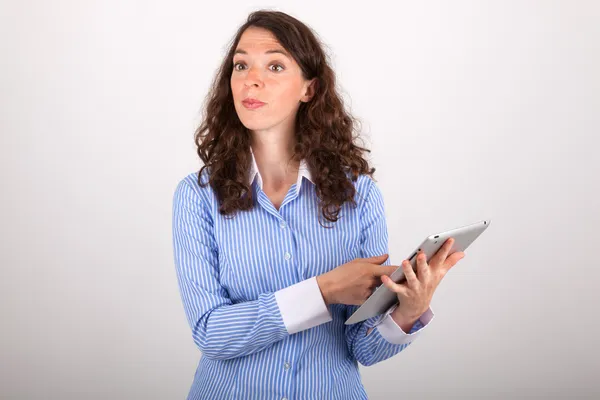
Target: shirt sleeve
(387, 339)
(220, 328)
(393, 333)
(302, 306)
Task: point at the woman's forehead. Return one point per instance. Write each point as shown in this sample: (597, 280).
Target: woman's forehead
(256, 40)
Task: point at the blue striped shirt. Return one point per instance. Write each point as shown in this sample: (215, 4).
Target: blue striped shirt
(249, 292)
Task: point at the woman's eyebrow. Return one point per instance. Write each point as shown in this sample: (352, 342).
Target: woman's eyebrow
(280, 51)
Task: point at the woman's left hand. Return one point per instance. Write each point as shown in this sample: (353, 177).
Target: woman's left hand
(415, 294)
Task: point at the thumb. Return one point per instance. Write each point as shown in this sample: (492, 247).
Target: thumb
(384, 270)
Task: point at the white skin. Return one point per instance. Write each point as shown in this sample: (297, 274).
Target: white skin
(415, 293)
(275, 79)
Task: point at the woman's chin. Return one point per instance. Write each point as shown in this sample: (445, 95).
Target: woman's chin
(255, 125)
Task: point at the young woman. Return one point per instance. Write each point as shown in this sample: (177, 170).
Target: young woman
(281, 235)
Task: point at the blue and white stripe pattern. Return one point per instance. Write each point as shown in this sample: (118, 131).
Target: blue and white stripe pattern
(232, 272)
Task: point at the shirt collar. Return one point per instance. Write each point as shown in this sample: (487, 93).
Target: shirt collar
(303, 171)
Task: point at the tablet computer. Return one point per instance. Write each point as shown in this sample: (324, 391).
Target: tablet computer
(383, 298)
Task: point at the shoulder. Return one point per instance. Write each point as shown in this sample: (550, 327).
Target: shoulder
(366, 188)
(369, 198)
(363, 182)
(188, 189)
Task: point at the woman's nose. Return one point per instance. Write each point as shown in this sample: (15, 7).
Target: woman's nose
(253, 77)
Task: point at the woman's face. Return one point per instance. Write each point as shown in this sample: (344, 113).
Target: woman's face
(270, 77)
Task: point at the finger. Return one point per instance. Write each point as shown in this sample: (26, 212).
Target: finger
(409, 273)
(453, 259)
(440, 256)
(393, 286)
(375, 259)
(422, 268)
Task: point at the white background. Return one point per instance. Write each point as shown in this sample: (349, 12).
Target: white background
(473, 110)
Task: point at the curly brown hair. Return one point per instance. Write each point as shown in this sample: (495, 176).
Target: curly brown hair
(325, 131)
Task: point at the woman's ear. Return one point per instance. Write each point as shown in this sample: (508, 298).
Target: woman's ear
(309, 92)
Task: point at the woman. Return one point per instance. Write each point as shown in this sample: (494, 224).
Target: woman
(281, 235)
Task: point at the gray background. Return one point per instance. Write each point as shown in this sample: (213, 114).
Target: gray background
(473, 110)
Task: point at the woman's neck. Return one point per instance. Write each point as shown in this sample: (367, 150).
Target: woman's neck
(273, 160)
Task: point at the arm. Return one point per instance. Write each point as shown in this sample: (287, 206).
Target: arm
(221, 329)
(367, 344)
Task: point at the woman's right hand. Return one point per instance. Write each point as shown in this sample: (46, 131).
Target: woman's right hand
(353, 283)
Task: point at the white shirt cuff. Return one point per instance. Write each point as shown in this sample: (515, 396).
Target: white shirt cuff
(391, 331)
(302, 306)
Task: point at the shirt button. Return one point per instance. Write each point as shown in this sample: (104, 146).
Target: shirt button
(282, 225)
(284, 398)
(288, 256)
(286, 365)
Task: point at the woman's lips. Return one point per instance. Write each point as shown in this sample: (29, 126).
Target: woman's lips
(253, 104)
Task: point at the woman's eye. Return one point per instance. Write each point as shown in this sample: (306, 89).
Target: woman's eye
(235, 65)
